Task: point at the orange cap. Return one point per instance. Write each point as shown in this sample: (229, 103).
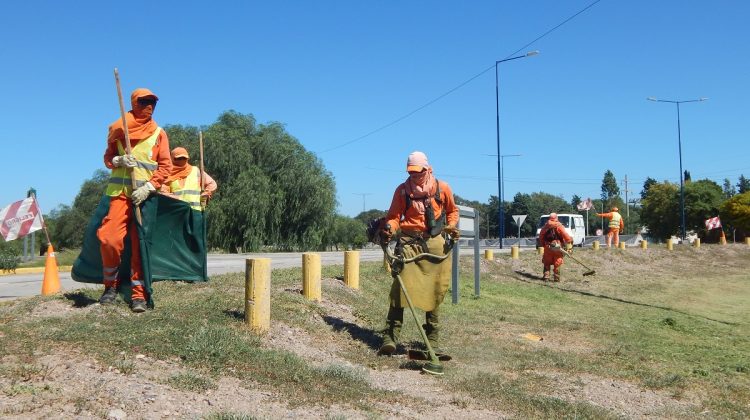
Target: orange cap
(179, 152)
(416, 162)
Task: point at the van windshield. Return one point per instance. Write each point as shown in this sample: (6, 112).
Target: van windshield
(565, 220)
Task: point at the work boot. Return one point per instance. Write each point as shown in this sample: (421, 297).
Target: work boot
(138, 305)
(545, 274)
(390, 338)
(109, 296)
(558, 276)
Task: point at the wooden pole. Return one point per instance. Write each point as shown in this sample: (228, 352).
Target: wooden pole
(311, 276)
(595, 245)
(128, 149)
(351, 269)
(670, 244)
(488, 255)
(514, 252)
(258, 294)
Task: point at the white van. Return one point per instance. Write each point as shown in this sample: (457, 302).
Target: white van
(573, 224)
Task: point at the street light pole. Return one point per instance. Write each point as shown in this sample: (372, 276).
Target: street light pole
(501, 216)
(502, 183)
(679, 148)
(363, 199)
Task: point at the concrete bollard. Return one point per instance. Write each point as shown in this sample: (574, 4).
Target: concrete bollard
(514, 252)
(644, 244)
(670, 245)
(258, 294)
(311, 276)
(595, 245)
(621, 245)
(540, 250)
(488, 255)
(351, 269)
(697, 242)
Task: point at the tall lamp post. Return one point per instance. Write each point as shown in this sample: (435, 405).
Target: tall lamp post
(363, 199)
(679, 146)
(501, 216)
(502, 190)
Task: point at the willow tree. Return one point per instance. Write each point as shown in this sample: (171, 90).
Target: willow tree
(272, 191)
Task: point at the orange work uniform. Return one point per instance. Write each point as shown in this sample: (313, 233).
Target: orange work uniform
(553, 232)
(119, 221)
(616, 224)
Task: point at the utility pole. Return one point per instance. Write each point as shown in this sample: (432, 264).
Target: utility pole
(627, 206)
(363, 200)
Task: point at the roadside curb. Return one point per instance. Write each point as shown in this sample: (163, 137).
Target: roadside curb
(33, 270)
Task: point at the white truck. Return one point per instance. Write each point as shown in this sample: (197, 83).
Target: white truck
(573, 223)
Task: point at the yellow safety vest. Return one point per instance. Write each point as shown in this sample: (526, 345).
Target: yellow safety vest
(615, 221)
(190, 192)
(119, 181)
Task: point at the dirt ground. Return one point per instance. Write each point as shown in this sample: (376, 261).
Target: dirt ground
(63, 383)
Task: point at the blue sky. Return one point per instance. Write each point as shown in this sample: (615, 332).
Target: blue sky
(334, 71)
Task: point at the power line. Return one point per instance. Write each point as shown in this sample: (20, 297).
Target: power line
(409, 114)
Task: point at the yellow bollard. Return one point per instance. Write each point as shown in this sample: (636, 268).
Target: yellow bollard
(697, 242)
(311, 276)
(488, 255)
(540, 250)
(747, 240)
(351, 269)
(258, 294)
(595, 245)
(621, 245)
(514, 252)
(670, 245)
(723, 240)
(644, 244)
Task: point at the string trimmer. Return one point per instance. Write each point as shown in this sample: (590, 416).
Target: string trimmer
(396, 262)
(591, 272)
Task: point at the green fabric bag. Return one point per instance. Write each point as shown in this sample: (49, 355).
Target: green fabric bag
(172, 240)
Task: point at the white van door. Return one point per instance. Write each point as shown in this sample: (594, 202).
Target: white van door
(579, 230)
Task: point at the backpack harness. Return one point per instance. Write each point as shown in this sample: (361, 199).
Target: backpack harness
(434, 227)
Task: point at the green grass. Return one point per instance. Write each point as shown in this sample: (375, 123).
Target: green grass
(66, 257)
(673, 324)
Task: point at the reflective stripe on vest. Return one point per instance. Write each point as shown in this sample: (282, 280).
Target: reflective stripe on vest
(615, 221)
(190, 192)
(119, 181)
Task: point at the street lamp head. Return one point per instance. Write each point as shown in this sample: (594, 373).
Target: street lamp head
(651, 98)
(703, 99)
(532, 53)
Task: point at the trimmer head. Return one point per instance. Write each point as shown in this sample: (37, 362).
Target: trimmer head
(589, 273)
(433, 368)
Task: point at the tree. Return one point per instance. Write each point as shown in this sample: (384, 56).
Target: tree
(345, 233)
(609, 188)
(366, 216)
(575, 201)
(702, 201)
(534, 205)
(728, 189)
(743, 185)
(736, 212)
(272, 192)
(646, 185)
(661, 210)
(67, 223)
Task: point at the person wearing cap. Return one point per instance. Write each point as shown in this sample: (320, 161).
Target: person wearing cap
(553, 238)
(421, 210)
(616, 224)
(185, 181)
(150, 164)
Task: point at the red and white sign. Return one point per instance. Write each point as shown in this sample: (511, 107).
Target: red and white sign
(713, 223)
(585, 205)
(20, 218)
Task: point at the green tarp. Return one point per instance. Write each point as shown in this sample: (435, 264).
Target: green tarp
(172, 241)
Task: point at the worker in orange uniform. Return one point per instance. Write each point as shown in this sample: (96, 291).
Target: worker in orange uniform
(553, 238)
(616, 224)
(185, 181)
(421, 210)
(150, 164)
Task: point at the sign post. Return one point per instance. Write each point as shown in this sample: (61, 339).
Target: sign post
(468, 225)
(519, 218)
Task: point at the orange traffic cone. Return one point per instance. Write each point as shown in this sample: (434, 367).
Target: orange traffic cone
(51, 281)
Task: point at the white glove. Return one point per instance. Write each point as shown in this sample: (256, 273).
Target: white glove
(127, 161)
(141, 193)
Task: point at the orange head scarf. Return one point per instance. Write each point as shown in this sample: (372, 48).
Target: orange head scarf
(180, 168)
(139, 119)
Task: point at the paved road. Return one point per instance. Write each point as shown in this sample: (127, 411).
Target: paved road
(20, 285)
